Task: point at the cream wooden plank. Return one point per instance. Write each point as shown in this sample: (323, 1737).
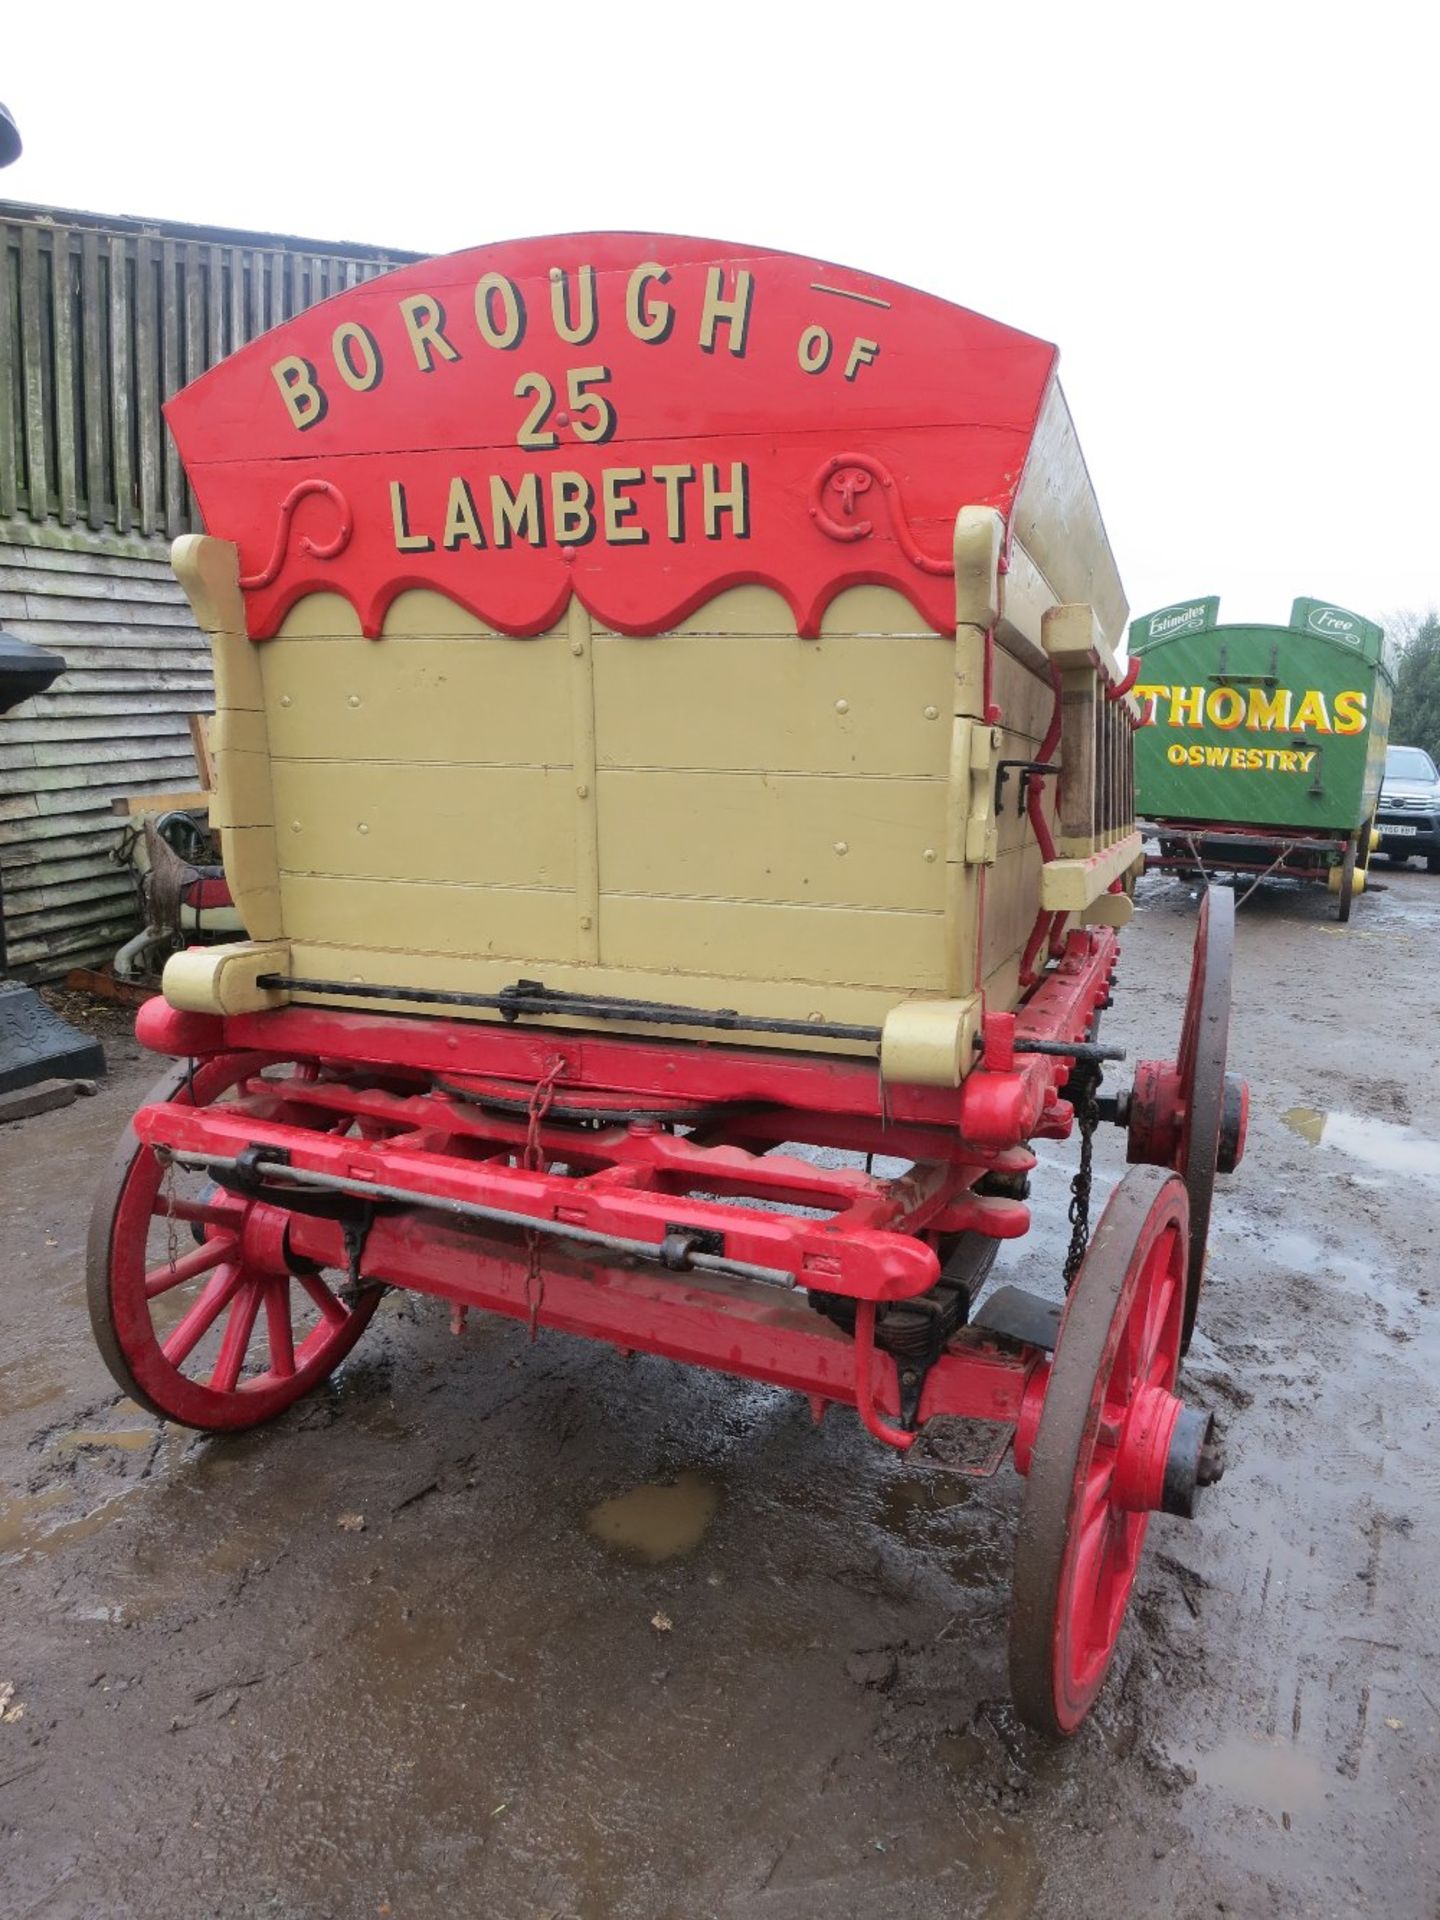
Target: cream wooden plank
(528, 926)
(182, 802)
(467, 698)
(775, 703)
(745, 941)
(774, 837)
(476, 826)
(1071, 885)
(1012, 900)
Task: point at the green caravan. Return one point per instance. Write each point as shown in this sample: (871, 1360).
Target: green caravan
(1263, 746)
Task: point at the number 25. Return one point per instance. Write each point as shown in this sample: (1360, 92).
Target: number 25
(598, 422)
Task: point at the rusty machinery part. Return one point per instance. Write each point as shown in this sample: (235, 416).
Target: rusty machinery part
(222, 1334)
(1104, 1442)
(1189, 1113)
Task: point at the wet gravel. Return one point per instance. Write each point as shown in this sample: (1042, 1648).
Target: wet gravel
(493, 1629)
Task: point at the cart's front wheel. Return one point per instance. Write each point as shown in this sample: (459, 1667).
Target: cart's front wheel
(193, 1304)
(1111, 1444)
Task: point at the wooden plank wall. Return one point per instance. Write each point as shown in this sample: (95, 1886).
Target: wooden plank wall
(100, 322)
(114, 722)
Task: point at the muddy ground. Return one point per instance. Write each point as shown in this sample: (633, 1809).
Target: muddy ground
(507, 1695)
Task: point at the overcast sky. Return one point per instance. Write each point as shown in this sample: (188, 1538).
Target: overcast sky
(1224, 215)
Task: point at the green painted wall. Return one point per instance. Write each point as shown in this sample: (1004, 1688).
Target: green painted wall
(1261, 725)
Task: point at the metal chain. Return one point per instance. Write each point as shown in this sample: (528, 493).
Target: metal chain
(1087, 1115)
(533, 1161)
(172, 1233)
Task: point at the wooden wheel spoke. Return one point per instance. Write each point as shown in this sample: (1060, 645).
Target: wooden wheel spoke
(1090, 1553)
(1156, 1363)
(217, 1295)
(278, 1328)
(331, 1309)
(238, 1330)
(199, 1260)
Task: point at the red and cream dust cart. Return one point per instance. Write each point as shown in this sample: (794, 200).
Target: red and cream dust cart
(667, 723)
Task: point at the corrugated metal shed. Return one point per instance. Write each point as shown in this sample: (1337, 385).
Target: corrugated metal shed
(100, 321)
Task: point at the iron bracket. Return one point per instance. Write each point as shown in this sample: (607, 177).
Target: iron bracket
(1029, 770)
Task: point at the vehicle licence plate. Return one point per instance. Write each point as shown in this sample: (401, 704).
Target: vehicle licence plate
(1391, 826)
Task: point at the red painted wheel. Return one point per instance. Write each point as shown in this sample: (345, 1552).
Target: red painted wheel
(1189, 1113)
(1204, 1047)
(194, 1308)
(1097, 1460)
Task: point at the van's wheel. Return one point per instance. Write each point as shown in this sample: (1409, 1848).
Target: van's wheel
(221, 1334)
(1347, 879)
(1432, 863)
(1111, 1445)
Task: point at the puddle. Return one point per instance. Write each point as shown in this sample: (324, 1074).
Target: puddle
(18, 1517)
(1272, 1775)
(1299, 1252)
(127, 1439)
(22, 1521)
(26, 1387)
(902, 1499)
(1375, 1143)
(657, 1522)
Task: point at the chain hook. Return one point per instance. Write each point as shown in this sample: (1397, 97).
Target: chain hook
(532, 1159)
(1087, 1114)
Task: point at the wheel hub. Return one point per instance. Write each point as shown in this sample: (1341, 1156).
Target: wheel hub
(263, 1232)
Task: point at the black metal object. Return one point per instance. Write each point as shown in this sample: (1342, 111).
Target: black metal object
(1029, 770)
(914, 1331)
(10, 144)
(36, 1044)
(1223, 676)
(1017, 1314)
(532, 999)
(1196, 1459)
(566, 1113)
(25, 670)
(1063, 1049)
(1082, 1090)
(682, 1243)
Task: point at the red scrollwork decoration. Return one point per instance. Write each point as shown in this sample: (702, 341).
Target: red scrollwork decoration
(849, 475)
(1118, 689)
(319, 549)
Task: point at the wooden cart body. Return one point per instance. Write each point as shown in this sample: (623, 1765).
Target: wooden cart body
(713, 714)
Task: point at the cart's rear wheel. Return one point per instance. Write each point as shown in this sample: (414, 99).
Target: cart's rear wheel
(194, 1309)
(1108, 1404)
(1215, 1105)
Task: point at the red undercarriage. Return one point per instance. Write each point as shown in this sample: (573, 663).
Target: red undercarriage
(483, 1115)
